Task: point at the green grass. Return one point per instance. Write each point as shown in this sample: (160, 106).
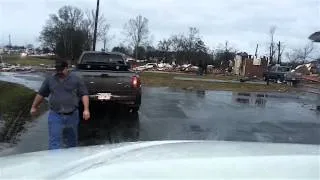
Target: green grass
(28, 60)
(15, 103)
(210, 76)
(164, 79)
(193, 75)
(14, 97)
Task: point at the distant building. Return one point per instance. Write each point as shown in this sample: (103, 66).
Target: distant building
(249, 66)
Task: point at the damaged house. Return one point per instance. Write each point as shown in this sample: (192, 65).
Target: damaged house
(249, 66)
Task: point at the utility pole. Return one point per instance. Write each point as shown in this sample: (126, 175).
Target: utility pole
(271, 50)
(104, 44)
(95, 27)
(226, 53)
(10, 40)
(270, 58)
(279, 53)
(256, 53)
(226, 46)
(271, 53)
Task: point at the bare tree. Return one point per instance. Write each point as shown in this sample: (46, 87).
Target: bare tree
(306, 52)
(301, 55)
(102, 29)
(280, 48)
(178, 42)
(137, 32)
(192, 38)
(105, 37)
(70, 31)
(165, 45)
(272, 50)
(63, 32)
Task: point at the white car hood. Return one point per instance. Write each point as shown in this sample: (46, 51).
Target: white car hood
(168, 160)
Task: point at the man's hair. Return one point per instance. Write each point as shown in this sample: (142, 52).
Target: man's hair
(61, 64)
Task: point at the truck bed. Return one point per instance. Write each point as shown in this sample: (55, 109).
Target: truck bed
(98, 81)
(108, 78)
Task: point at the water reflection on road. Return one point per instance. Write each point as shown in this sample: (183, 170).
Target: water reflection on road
(109, 124)
(218, 115)
(258, 99)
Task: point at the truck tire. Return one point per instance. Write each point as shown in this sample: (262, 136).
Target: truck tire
(265, 78)
(134, 109)
(280, 79)
(136, 106)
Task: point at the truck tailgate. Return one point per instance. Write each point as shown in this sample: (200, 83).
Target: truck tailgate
(107, 81)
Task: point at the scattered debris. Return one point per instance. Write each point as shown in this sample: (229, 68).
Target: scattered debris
(4, 67)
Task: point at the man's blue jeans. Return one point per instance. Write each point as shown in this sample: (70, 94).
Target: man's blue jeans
(60, 125)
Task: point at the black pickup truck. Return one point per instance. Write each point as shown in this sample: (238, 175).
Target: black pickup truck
(276, 73)
(281, 74)
(108, 79)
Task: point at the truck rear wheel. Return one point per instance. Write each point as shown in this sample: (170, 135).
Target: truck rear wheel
(136, 106)
(279, 80)
(134, 109)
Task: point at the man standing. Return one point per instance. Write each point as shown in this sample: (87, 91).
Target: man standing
(65, 90)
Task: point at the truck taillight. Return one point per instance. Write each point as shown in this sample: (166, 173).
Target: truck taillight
(135, 82)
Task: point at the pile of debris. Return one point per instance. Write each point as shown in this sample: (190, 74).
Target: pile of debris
(188, 68)
(306, 69)
(4, 67)
(167, 67)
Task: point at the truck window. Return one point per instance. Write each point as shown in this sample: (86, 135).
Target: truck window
(273, 69)
(101, 58)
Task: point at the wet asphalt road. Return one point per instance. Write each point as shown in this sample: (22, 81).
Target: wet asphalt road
(169, 114)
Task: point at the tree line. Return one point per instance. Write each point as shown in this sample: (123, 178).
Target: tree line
(70, 31)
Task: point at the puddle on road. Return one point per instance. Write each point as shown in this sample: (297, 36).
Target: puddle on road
(109, 125)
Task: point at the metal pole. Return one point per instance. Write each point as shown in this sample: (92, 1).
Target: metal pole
(95, 27)
(256, 54)
(10, 40)
(279, 53)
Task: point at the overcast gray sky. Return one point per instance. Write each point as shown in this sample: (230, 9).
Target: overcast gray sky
(244, 23)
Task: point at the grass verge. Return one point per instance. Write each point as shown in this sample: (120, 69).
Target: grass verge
(15, 103)
(167, 79)
(28, 60)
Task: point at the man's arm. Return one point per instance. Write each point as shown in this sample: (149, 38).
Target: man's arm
(37, 101)
(86, 111)
(84, 94)
(85, 101)
(44, 91)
